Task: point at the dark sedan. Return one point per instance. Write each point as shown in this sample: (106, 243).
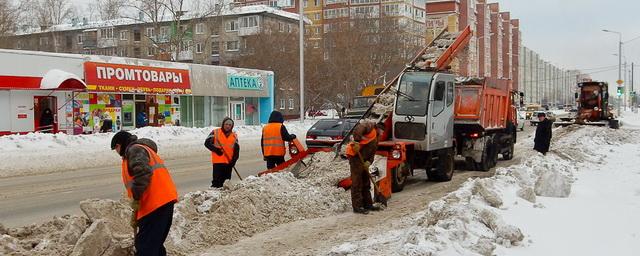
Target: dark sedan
(327, 132)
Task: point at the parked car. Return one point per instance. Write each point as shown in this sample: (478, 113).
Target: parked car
(550, 116)
(327, 132)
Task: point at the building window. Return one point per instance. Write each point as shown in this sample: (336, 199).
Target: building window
(306, 3)
(200, 28)
(164, 31)
(123, 52)
(215, 48)
(290, 103)
(318, 30)
(232, 46)
(316, 2)
(44, 41)
(80, 38)
(232, 25)
(251, 21)
(282, 104)
(106, 33)
(317, 16)
(151, 51)
(186, 46)
(280, 26)
(136, 35)
(124, 35)
(289, 28)
(215, 30)
(150, 32)
(199, 48)
(136, 52)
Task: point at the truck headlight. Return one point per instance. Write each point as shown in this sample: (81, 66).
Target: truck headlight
(293, 150)
(396, 154)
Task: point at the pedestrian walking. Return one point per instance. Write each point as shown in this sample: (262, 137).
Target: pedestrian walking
(543, 134)
(274, 134)
(46, 121)
(225, 150)
(153, 193)
(361, 152)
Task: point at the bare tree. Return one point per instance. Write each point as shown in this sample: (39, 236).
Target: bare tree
(110, 9)
(52, 12)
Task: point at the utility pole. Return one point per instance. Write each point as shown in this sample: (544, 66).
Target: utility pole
(301, 30)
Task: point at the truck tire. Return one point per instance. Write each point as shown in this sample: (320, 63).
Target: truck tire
(614, 124)
(446, 166)
(508, 155)
(399, 177)
(489, 157)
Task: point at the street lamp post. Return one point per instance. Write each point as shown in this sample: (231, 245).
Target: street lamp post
(619, 61)
(301, 43)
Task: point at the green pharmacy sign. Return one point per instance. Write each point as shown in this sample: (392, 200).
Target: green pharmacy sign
(240, 82)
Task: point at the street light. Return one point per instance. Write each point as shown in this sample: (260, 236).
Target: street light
(619, 61)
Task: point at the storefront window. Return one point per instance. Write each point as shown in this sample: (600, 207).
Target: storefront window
(192, 111)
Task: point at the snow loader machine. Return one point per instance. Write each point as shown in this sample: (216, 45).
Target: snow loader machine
(592, 99)
(427, 115)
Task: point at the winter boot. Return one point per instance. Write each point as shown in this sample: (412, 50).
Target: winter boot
(361, 210)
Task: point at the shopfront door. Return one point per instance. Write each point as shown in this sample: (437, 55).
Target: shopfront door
(45, 115)
(236, 109)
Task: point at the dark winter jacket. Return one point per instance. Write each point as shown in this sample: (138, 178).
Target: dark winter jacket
(543, 136)
(138, 165)
(208, 142)
(276, 117)
(46, 118)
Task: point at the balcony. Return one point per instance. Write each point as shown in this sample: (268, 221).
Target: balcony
(107, 42)
(89, 43)
(248, 31)
(183, 56)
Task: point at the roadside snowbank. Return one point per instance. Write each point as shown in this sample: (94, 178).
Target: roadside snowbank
(490, 215)
(201, 219)
(37, 153)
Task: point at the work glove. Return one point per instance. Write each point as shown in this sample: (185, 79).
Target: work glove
(217, 150)
(367, 164)
(293, 136)
(356, 147)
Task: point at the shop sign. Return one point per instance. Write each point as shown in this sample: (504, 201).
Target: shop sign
(243, 82)
(22, 112)
(434, 23)
(105, 77)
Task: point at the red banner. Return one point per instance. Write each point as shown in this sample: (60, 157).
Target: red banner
(105, 77)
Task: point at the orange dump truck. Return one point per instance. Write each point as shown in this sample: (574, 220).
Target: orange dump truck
(485, 121)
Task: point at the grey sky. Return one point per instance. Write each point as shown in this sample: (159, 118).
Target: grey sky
(569, 33)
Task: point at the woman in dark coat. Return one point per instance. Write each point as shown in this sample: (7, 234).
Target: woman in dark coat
(543, 134)
(46, 120)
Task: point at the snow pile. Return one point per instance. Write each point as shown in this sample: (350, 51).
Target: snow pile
(630, 119)
(201, 219)
(470, 220)
(37, 153)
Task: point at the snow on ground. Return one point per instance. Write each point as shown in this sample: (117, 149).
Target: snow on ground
(37, 153)
(201, 219)
(579, 199)
(631, 119)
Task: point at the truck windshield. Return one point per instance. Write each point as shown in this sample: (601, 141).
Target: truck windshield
(363, 102)
(413, 94)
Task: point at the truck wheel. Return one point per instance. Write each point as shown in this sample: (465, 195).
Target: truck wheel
(446, 165)
(489, 157)
(398, 177)
(508, 155)
(614, 124)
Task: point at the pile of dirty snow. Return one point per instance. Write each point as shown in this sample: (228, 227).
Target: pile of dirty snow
(201, 219)
(38, 153)
(470, 220)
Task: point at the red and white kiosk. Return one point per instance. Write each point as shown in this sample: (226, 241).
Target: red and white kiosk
(30, 83)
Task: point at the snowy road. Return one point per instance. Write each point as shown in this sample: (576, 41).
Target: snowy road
(36, 198)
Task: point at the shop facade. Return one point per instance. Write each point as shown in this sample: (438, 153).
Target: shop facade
(87, 94)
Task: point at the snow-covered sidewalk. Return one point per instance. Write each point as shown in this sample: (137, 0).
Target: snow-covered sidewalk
(582, 198)
(37, 153)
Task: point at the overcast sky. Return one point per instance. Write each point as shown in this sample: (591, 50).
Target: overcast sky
(569, 33)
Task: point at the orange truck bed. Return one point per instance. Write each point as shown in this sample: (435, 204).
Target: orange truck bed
(482, 104)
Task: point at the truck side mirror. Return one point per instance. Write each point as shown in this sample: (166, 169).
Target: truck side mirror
(576, 95)
(521, 94)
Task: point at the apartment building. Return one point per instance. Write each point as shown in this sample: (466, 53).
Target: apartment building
(216, 40)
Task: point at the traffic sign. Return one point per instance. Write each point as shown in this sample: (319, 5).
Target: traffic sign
(619, 82)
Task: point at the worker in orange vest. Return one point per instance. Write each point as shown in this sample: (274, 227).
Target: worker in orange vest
(361, 152)
(223, 144)
(149, 184)
(274, 134)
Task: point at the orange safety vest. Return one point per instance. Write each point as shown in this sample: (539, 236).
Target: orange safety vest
(161, 189)
(272, 143)
(226, 143)
(367, 138)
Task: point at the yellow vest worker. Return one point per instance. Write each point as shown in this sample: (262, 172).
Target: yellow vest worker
(224, 147)
(274, 134)
(149, 184)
